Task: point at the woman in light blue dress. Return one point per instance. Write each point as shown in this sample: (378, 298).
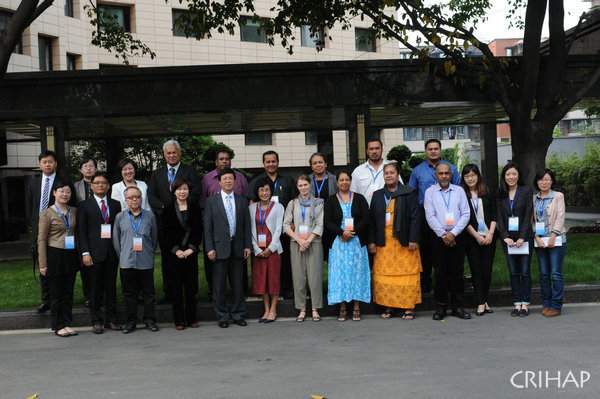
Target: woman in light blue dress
(347, 218)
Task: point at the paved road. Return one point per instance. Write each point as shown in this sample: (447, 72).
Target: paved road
(371, 359)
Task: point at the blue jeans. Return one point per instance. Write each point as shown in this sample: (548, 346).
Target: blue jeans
(519, 267)
(551, 265)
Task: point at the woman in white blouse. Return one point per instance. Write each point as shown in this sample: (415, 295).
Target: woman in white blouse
(127, 167)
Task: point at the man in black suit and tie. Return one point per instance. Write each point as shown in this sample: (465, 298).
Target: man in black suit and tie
(227, 240)
(39, 194)
(159, 195)
(95, 218)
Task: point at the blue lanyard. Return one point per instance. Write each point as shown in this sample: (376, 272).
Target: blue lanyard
(388, 200)
(172, 178)
(541, 210)
(275, 187)
(344, 202)
(262, 219)
(303, 208)
(444, 198)
(317, 185)
(136, 229)
(429, 169)
(67, 220)
(376, 175)
(512, 201)
(475, 204)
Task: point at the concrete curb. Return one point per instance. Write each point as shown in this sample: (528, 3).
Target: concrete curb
(30, 319)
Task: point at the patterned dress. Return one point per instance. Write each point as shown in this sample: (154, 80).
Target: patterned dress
(396, 272)
(349, 274)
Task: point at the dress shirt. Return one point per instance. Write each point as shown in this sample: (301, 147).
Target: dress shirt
(44, 177)
(119, 188)
(224, 198)
(423, 177)
(211, 186)
(123, 234)
(435, 209)
(363, 182)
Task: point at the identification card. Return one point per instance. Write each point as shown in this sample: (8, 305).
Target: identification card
(262, 240)
(303, 231)
(349, 224)
(69, 242)
(481, 225)
(449, 219)
(275, 198)
(540, 229)
(388, 219)
(513, 223)
(137, 244)
(105, 230)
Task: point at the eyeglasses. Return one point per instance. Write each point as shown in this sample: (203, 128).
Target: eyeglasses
(100, 183)
(134, 197)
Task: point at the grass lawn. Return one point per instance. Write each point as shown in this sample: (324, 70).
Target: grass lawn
(18, 289)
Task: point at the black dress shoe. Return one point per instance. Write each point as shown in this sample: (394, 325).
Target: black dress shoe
(440, 314)
(87, 303)
(223, 324)
(164, 300)
(479, 313)
(151, 325)
(129, 328)
(460, 313)
(44, 306)
(488, 311)
(241, 322)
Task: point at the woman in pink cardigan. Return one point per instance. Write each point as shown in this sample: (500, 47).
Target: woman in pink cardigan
(550, 241)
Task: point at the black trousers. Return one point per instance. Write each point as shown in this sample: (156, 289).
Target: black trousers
(232, 268)
(86, 282)
(185, 289)
(425, 250)
(481, 259)
(449, 265)
(208, 274)
(166, 268)
(103, 288)
(132, 281)
(61, 300)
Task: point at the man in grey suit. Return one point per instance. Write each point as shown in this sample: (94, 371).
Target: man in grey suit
(227, 241)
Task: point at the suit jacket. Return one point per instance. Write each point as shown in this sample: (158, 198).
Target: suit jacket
(411, 218)
(79, 193)
(490, 214)
(159, 192)
(216, 227)
(556, 213)
(175, 231)
(89, 220)
(359, 211)
(523, 208)
(34, 194)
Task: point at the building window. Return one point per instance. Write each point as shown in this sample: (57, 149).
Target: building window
(5, 17)
(253, 32)
(258, 138)
(365, 40)
(71, 62)
(45, 53)
(311, 39)
(177, 14)
(119, 13)
(310, 137)
(69, 8)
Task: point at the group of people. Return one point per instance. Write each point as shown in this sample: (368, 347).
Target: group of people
(381, 238)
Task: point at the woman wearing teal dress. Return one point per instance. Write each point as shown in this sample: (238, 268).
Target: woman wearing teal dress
(347, 218)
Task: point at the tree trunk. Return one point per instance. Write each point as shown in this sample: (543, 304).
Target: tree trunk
(529, 147)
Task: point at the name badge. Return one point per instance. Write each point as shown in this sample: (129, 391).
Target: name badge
(540, 229)
(137, 244)
(388, 219)
(303, 231)
(449, 219)
(349, 224)
(105, 230)
(275, 198)
(480, 225)
(69, 242)
(513, 223)
(262, 240)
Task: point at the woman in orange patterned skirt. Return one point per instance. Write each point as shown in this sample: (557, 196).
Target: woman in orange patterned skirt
(393, 236)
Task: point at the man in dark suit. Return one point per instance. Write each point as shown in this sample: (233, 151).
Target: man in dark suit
(227, 240)
(39, 194)
(159, 195)
(95, 218)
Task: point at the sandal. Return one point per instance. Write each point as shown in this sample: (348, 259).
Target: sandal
(342, 316)
(387, 314)
(315, 316)
(63, 334)
(356, 315)
(408, 315)
(301, 316)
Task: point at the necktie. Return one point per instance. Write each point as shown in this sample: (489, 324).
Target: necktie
(230, 217)
(171, 176)
(45, 194)
(104, 213)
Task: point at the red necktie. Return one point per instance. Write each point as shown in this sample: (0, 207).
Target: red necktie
(104, 213)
